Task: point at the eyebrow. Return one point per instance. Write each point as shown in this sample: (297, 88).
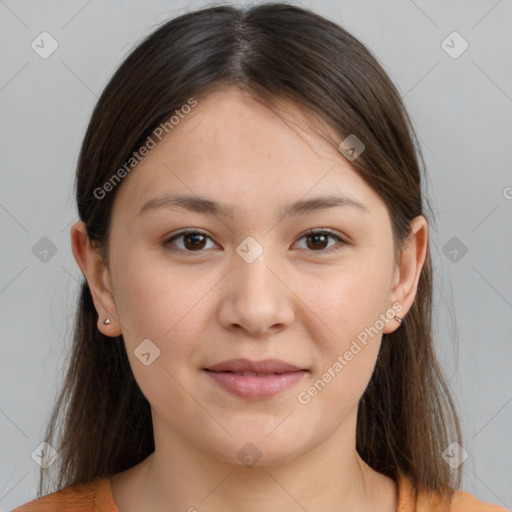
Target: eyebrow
(210, 207)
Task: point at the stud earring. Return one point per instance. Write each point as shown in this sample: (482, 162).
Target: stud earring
(107, 321)
(398, 319)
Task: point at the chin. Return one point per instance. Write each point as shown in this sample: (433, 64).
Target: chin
(261, 451)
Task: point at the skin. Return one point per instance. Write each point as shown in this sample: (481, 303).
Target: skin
(298, 302)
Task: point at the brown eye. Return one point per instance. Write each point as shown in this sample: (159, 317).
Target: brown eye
(318, 241)
(194, 241)
(189, 240)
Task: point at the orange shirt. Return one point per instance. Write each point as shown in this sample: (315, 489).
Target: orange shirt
(96, 496)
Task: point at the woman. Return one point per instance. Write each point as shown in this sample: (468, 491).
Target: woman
(254, 327)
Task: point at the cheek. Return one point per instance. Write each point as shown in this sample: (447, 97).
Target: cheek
(345, 301)
(157, 300)
(347, 333)
(166, 306)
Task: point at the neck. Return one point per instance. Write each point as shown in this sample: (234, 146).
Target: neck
(332, 476)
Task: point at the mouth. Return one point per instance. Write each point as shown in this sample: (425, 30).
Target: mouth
(255, 380)
(250, 374)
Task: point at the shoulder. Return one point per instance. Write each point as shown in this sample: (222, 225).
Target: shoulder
(461, 501)
(465, 502)
(87, 497)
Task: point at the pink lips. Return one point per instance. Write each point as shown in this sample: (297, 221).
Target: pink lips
(255, 379)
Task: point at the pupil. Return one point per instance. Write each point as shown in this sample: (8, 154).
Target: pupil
(317, 238)
(196, 243)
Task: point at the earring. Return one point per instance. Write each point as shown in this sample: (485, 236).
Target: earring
(398, 319)
(107, 321)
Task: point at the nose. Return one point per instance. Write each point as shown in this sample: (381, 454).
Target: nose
(255, 297)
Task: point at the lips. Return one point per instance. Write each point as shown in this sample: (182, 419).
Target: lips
(268, 366)
(255, 380)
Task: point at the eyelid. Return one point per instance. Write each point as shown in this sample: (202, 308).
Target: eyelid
(186, 231)
(313, 231)
(325, 231)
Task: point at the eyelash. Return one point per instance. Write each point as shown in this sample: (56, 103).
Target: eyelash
(194, 231)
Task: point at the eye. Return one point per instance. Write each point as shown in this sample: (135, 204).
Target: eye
(193, 240)
(318, 240)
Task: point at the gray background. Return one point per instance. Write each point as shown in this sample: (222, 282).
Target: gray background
(461, 108)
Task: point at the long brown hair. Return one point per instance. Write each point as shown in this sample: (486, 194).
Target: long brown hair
(275, 51)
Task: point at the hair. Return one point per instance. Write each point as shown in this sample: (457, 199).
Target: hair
(276, 52)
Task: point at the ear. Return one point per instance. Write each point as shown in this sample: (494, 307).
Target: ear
(95, 270)
(408, 269)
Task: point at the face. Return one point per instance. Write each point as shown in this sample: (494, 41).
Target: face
(249, 282)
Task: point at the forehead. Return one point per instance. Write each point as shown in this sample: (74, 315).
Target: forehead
(233, 146)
